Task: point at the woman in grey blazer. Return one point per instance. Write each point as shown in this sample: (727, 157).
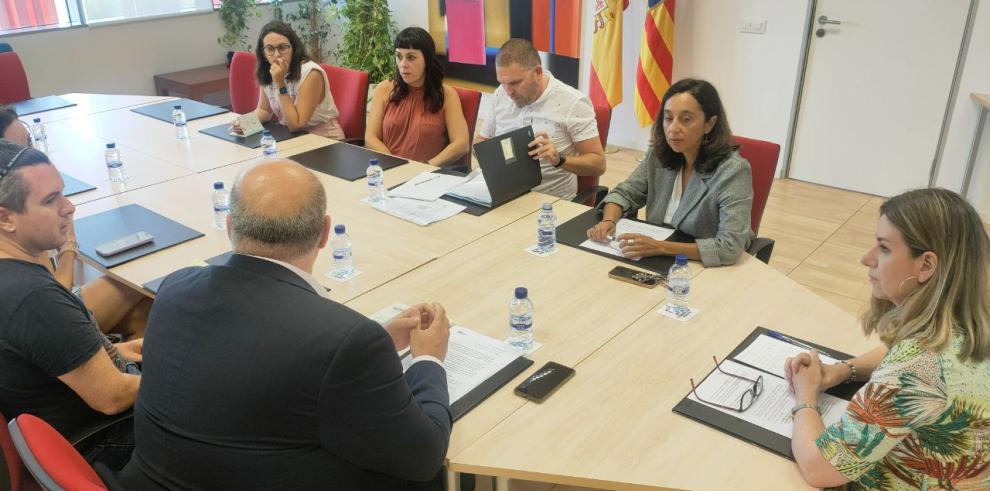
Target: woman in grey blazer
(692, 179)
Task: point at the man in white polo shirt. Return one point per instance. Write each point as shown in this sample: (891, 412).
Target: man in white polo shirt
(563, 119)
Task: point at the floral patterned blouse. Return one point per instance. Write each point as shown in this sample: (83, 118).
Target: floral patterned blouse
(921, 422)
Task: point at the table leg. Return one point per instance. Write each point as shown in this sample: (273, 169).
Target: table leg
(453, 480)
(973, 151)
(501, 484)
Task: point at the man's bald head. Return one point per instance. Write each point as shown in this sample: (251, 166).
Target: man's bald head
(277, 210)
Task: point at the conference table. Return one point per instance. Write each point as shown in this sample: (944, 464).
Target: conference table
(611, 426)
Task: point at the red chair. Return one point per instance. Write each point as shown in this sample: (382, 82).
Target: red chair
(244, 88)
(762, 157)
(350, 94)
(470, 102)
(52, 460)
(16, 479)
(14, 83)
(589, 192)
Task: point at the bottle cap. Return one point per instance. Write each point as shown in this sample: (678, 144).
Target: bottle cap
(111, 145)
(521, 293)
(373, 162)
(37, 120)
(338, 229)
(547, 206)
(218, 185)
(266, 133)
(177, 106)
(680, 259)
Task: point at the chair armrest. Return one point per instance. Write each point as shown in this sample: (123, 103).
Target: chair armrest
(761, 248)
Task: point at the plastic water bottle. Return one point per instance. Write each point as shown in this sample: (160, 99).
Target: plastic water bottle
(521, 320)
(221, 206)
(340, 244)
(268, 145)
(546, 229)
(39, 136)
(679, 287)
(115, 166)
(179, 120)
(376, 181)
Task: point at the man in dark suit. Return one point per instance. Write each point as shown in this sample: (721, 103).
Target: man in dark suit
(254, 379)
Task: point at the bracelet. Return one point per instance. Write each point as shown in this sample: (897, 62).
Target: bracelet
(609, 220)
(799, 407)
(852, 371)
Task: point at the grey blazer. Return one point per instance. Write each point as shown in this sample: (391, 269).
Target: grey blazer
(715, 207)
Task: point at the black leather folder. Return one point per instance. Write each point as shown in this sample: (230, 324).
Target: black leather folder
(41, 104)
(113, 224)
(346, 161)
(74, 186)
(279, 132)
(193, 109)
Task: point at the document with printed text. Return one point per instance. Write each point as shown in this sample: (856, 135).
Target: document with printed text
(769, 354)
(625, 226)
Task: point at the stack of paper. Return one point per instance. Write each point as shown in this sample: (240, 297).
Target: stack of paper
(428, 186)
(625, 226)
(473, 189)
(417, 211)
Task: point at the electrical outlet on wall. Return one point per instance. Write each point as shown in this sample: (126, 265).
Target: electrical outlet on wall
(753, 25)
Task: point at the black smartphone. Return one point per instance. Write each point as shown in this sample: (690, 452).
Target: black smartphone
(544, 381)
(641, 278)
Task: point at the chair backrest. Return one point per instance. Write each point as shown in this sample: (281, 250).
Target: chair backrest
(13, 84)
(350, 94)
(244, 88)
(762, 157)
(603, 116)
(470, 102)
(50, 458)
(14, 467)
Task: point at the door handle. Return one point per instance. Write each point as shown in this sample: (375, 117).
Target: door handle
(823, 20)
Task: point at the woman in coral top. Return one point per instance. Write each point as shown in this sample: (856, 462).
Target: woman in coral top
(414, 115)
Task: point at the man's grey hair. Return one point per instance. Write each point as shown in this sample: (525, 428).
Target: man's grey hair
(277, 237)
(519, 51)
(13, 188)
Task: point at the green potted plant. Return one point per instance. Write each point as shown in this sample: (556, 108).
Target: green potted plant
(309, 20)
(367, 40)
(235, 15)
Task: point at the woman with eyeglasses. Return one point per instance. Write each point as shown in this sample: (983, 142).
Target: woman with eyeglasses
(922, 421)
(294, 89)
(414, 115)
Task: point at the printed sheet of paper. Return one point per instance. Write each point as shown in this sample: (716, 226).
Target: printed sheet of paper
(421, 213)
(772, 409)
(428, 186)
(472, 358)
(474, 189)
(625, 226)
(769, 354)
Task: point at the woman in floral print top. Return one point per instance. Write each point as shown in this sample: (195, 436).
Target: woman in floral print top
(922, 421)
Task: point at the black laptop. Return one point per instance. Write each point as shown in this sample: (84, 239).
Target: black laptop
(508, 169)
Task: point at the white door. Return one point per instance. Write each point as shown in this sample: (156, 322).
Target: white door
(875, 92)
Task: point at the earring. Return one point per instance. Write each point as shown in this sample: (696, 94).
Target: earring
(899, 287)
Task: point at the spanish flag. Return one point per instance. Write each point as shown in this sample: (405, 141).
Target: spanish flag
(656, 60)
(606, 53)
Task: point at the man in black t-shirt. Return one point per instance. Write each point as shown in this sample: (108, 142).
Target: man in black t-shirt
(55, 363)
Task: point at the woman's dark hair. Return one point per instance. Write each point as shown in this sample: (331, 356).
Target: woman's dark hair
(418, 38)
(715, 146)
(298, 52)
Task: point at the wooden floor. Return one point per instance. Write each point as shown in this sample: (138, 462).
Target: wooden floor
(820, 233)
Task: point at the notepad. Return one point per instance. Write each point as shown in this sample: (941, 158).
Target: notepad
(250, 125)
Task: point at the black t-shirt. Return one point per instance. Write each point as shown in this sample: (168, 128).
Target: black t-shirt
(45, 332)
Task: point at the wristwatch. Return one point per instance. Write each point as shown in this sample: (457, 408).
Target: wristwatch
(560, 163)
(283, 90)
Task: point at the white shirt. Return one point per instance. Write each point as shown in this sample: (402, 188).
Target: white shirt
(562, 111)
(675, 198)
(321, 291)
(323, 122)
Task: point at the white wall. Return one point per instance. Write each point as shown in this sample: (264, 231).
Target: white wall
(117, 58)
(975, 78)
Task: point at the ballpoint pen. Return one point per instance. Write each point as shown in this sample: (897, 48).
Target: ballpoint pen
(426, 180)
(787, 339)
